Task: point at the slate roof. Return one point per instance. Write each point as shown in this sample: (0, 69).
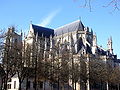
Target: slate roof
(101, 51)
(74, 26)
(117, 60)
(43, 30)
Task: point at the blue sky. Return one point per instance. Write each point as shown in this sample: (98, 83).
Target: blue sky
(55, 13)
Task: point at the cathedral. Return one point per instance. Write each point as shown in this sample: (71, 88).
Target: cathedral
(46, 44)
(75, 37)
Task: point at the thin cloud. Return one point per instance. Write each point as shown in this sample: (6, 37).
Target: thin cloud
(47, 20)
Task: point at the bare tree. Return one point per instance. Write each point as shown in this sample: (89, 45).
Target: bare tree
(115, 4)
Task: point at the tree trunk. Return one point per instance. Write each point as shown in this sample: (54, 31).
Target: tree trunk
(58, 84)
(88, 85)
(62, 86)
(75, 85)
(107, 86)
(44, 84)
(68, 85)
(51, 86)
(5, 84)
(87, 67)
(27, 83)
(19, 84)
(2, 84)
(118, 86)
(72, 85)
(80, 85)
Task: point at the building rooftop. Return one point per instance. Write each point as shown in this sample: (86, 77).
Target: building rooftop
(43, 31)
(74, 26)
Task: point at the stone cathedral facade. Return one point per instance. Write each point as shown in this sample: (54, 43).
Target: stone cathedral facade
(73, 36)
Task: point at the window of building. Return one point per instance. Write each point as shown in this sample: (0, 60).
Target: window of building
(14, 84)
(9, 86)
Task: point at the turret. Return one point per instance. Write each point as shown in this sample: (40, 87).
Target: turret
(109, 44)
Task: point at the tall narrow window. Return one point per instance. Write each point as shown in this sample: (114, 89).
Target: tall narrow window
(14, 84)
(9, 86)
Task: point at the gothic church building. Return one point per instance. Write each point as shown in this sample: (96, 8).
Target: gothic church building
(80, 40)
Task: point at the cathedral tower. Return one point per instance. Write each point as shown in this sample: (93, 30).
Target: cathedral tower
(109, 44)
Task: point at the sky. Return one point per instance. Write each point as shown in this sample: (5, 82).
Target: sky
(54, 13)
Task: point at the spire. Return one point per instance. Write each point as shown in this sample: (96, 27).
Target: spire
(30, 25)
(87, 29)
(94, 40)
(91, 31)
(31, 30)
(110, 38)
(109, 44)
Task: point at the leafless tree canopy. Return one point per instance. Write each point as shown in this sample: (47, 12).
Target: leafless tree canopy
(114, 4)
